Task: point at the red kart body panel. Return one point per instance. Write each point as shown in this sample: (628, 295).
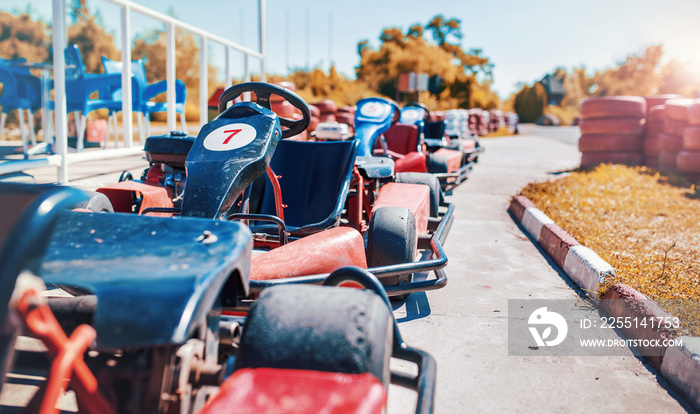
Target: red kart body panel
(285, 391)
(454, 158)
(415, 197)
(411, 162)
(153, 195)
(316, 254)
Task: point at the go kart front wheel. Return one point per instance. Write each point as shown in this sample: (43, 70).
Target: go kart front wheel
(391, 239)
(318, 328)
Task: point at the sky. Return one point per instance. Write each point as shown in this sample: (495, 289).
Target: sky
(523, 39)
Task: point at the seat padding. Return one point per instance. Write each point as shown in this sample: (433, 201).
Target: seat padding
(402, 138)
(316, 254)
(415, 197)
(283, 391)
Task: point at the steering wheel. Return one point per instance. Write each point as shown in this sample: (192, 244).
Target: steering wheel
(262, 92)
(421, 106)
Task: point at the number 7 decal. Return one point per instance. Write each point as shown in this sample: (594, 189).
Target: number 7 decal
(233, 134)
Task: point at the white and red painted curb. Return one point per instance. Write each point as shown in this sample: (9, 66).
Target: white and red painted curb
(680, 365)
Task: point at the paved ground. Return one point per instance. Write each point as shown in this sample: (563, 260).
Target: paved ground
(491, 260)
(464, 326)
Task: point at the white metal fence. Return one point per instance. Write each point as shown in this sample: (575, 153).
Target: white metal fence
(62, 158)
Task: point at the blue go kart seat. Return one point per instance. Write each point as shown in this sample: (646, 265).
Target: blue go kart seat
(435, 130)
(169, 149)
(315, 182)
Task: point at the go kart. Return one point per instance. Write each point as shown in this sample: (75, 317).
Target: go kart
(310, 200)
(449, 156)
(145, 328)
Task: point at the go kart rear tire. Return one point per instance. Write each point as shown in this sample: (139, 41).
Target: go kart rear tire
(391, 239)
(436, 196)
(318, 328)
(98, 203)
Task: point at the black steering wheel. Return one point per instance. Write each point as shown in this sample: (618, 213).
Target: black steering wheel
(421, 106)
(262, 92)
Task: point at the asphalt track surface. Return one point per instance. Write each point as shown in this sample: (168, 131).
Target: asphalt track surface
(464, 325)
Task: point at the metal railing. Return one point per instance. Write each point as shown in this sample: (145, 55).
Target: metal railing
(62, 158)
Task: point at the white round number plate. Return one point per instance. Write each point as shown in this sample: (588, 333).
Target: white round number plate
(411, 115)
(374, 110)
(229, 137)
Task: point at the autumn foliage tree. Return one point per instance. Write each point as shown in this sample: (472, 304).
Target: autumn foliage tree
(443, 56)
(20, 36)
(530, 102)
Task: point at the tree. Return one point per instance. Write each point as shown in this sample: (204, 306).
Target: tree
(412, 52)
(530, 102)
(151, 47)
(20, 36)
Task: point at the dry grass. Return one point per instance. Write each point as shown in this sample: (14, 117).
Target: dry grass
(647, 226)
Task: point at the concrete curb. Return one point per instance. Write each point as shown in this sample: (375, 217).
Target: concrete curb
(679, 364)
(580, 263)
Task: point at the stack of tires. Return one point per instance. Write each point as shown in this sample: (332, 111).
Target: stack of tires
(652, 139)
(328, 108)
(612, 130)
(688, 160)
(671, 139)
(346, 115)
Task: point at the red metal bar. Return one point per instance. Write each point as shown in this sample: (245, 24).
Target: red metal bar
(279, 207)
(356, 216)
(67, 354)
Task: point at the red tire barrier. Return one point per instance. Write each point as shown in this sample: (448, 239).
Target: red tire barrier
(659, 99)
(651, 162)
(610, 143)
(326, 106)
(657, 112)
(313, 124)
(691, 138)
(688, 161)
(616, 126)
(327, 117)
(651, 147)
(678, 109)
(670, 143)
(674, 127)
(589, 159)
(314, 111)
(613, 107)
(667, 160)
(694, 114)
(345, 118)
(654, 127)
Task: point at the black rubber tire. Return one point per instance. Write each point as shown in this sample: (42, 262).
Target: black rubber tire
(436, 195)
(98, 202)
(391, 239)
(318, 328)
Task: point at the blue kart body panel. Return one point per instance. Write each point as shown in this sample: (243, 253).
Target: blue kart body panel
(373, 117)
(375, 167)
(229, 153)
(316, 178)
(156, 279)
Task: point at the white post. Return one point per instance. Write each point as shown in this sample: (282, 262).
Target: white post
(263, 39)
(227, 66)
(203, 82)
(170, 75)
(246, 75)
(59, 78)
(127, 123)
